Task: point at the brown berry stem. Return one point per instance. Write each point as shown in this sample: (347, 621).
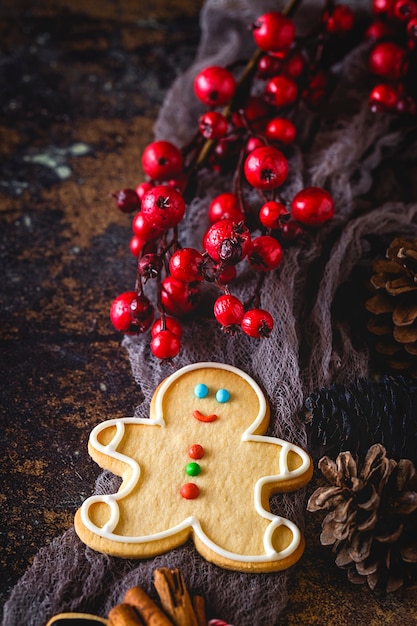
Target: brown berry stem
(138, 284)
(255, 299)
(159, 304)
(237, 181)
(291, 7)
(173, 244)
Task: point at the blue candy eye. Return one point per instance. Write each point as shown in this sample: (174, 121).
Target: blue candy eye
(222, 396)
(201, 390)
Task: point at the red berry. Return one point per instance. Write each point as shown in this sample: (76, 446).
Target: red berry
(165, 345)
(131, 313)
(163, 207)
(127, 200)
(179, 298)
(227, 275)
(281, 91)
(273, 32)
(405, 10)
(150, 266)
(383, 97)
(228, 310)
(291, 231)
(179, 182)
(142, 312)
(162, 160)
(170, 324)
(281, 129)
(312, 206)
(294, 65)
(407, 104)
(142, 188)
(268, 66)
(142, 229)
(120, 312)
(412, 28)
(136, 244)
(265, 253)
(383, 7)
(185, 265)
(255, 113)
(270, 214)
(388, 60)
(316, 89)
(225, 148)
(227, 241)
(266, 168)
(225, 153)
(225, 206)
(214, 86)
(257, 323)
(253, 143)
(411, 45)
(340, 20)
(320, 79)
(213, 125)
(378, 30)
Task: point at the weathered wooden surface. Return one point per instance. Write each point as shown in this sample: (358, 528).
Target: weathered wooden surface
(80, 87)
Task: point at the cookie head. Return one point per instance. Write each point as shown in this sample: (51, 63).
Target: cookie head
(227, 399)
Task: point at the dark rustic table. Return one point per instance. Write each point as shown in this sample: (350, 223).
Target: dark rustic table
(80, 87)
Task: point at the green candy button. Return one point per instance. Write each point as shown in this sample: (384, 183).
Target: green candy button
(192, 469)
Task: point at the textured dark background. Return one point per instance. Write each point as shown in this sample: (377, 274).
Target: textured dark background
(80, 87)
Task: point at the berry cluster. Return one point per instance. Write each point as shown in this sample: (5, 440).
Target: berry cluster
(393, 58)
(246, 132)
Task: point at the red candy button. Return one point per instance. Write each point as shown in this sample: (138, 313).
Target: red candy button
(195, 451)
(189, 491)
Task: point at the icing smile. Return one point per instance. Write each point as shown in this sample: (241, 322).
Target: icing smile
(204, 418)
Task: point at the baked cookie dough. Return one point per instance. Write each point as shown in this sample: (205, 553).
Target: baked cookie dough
(200, 467)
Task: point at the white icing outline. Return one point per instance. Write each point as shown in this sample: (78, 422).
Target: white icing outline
(192, 522)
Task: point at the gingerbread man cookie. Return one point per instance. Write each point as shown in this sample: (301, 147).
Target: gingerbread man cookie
(199, 467)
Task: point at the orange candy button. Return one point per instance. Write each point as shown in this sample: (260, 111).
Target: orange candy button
(189, 491)
(196, 451)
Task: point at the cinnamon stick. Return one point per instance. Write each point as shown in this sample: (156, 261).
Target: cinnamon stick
(148, 610)
(199, 610)
(124, 615)
(174, 596)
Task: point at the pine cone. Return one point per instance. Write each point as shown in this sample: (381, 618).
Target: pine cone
(355, 416)
(372, 523)
(394, 306)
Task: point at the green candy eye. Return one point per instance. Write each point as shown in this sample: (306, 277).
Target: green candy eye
(222, 396)
(201, 390)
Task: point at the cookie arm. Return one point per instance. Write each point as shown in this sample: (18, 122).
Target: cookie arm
(93, 534)
(295, 471)
(131, 475)
(292, 474)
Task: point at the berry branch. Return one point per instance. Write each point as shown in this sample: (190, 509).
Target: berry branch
(247, 132)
